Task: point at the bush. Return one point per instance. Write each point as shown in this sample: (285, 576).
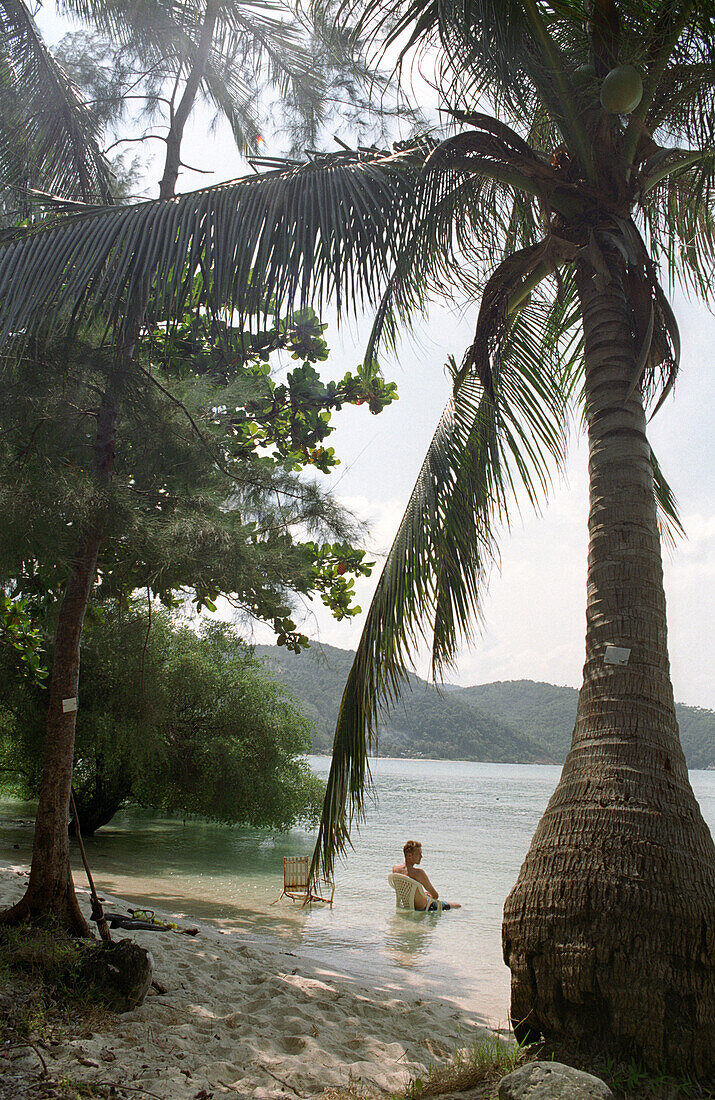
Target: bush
(178, 720)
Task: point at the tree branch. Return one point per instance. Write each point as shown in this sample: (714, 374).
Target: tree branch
(203, 171)
(125, 141)
(210, 450)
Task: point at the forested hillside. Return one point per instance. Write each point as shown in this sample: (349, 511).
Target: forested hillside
(517, 721)
(547, 714)
(427, 722)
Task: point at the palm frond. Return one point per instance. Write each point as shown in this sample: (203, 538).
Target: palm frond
(328, 229)
(513, 54)
(678, 215)
(492, 441)
(256, 39)
(146, 21)
(664, 38)
(256, 45)
(235, 100)
(450, 251)
(514, 442)
(671, 528)
(391, 631)
(48, 137)
(268, 39)
(683, 106)
(656, 330)
(478, 190)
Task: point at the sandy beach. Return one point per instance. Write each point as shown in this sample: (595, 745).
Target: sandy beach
(239, 1020)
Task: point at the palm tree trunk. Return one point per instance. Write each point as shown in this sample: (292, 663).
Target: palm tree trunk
(609, 931)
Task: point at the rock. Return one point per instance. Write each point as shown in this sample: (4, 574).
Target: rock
(552, 1081)
(120, 971)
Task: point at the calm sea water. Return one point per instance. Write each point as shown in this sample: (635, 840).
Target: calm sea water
(475, 822)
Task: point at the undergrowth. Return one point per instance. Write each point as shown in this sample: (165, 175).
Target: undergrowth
(628, 1080)
(42, 991)
(631, 1081)
(479, 1069)
(43, 999)
(483, 1063)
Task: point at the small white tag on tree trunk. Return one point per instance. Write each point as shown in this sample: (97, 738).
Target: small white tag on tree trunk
(69, 705)
(616, 655)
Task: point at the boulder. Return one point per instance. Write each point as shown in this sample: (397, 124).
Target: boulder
(120, 972)
(552, 1081)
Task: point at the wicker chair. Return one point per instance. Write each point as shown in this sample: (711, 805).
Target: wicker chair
(297, 885)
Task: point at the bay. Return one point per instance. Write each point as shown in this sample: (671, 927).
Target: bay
(475, 822)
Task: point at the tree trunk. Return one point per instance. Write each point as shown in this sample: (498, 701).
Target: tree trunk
(179, 118)
(100, 798)
(609, 931)
(51, 888)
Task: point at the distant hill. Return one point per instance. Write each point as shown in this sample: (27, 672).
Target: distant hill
(543, 711)
(428, 722)
(547, 714)
(513, 721)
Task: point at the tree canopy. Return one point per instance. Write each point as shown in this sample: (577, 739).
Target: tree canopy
(239, 535)
(208, 493)
(182, 720)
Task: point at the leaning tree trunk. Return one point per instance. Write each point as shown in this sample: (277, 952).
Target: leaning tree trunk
(100, 798)
(609, 931)
(50, 890)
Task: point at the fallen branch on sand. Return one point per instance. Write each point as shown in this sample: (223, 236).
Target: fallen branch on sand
(146, 923)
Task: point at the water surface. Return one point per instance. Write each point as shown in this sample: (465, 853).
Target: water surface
(475, 822)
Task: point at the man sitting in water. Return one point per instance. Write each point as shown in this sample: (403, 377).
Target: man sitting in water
(413, 855)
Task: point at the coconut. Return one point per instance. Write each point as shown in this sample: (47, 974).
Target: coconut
(622, 90)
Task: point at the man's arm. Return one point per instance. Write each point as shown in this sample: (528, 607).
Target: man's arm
(422, 878)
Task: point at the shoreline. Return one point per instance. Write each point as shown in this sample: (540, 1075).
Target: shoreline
(235, 882)
(253, 1020)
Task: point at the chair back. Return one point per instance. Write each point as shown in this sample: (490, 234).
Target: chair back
(405, 889)
(295, 872)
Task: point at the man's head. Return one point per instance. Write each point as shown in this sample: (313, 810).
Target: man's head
(413, 852)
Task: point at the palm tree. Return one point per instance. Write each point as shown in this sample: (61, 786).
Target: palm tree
(593, 165)
(48, 136)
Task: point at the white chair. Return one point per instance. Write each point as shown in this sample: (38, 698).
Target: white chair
(405, 890)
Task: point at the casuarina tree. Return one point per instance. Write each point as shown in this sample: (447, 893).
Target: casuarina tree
(578, 169)
(181, 720)
(223, 51)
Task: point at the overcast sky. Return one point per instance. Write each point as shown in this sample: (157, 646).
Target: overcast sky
(534, 615)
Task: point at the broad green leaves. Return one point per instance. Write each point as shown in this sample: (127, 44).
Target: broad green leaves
(20, 634)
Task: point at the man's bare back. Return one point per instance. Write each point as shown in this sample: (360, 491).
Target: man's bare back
(413, 855)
